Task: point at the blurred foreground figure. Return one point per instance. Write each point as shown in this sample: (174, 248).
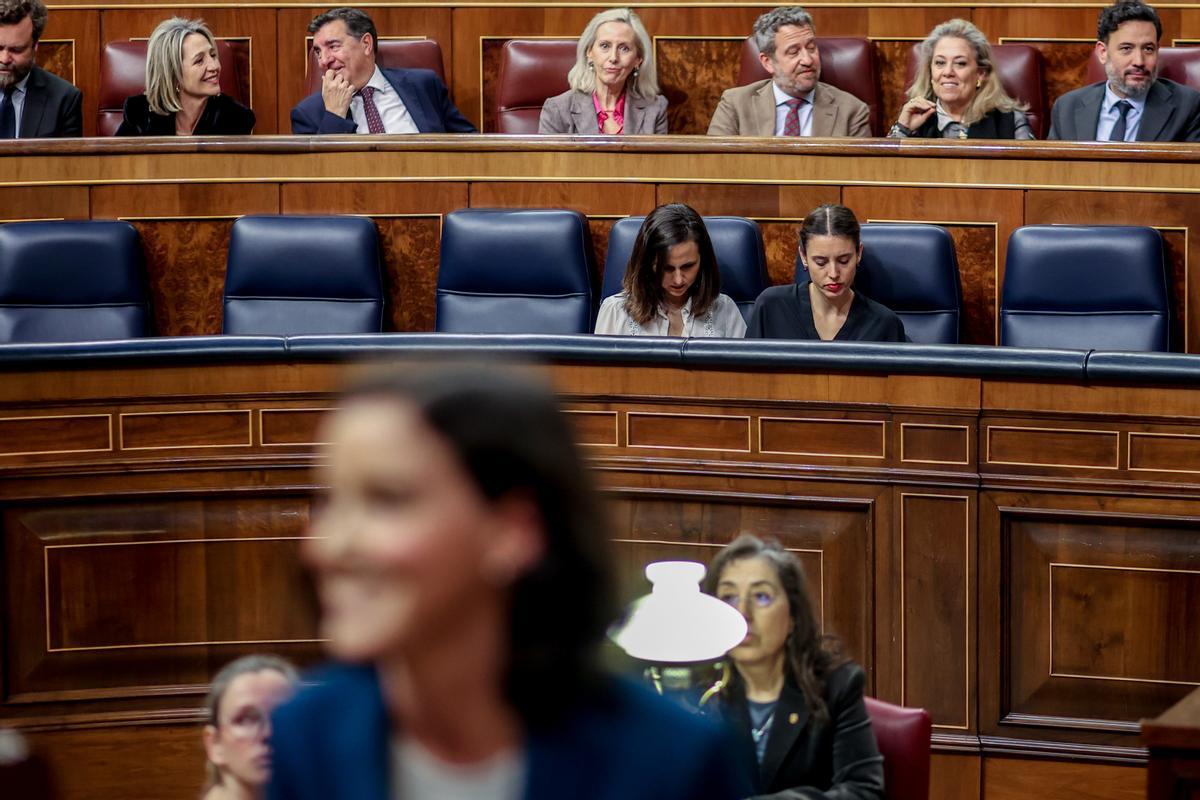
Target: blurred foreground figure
(463, 571)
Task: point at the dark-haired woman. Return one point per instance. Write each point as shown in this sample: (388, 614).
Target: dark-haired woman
(826, 307)
(463, 572)
(796, 703)
(672, 286)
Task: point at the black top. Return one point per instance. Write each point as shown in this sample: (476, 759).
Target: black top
(222, 116)
(996, 125)
(785, 312)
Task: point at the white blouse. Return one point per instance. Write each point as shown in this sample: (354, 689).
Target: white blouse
(723, 320)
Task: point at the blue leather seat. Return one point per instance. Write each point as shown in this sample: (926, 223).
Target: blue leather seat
(292, 275)
(737, 242)
(71, 281)
(913, 270)
(515, 271)
(1085, 287)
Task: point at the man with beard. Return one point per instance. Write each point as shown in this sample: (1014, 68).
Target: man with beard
(793, 101)
(1133, 104)
(34, 104)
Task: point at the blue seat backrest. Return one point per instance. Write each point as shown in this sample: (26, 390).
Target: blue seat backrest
(738, 245)
(295, 275)
(515, 271)
(1085, 287)
(71, 281)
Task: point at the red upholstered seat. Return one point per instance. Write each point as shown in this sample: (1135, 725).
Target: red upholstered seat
(531, 70)
(1179, 64)
(1022, 74)
(123, 74)
(393, 54)
(904, 740)
(846, 62)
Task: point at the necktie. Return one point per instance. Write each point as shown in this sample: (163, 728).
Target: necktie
(8, 114)
(1118, 131)
(374, 121)
(791, 123)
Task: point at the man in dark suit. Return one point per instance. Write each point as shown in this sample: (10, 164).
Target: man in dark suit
(34, 104)
(1133, 104)
(358, 97)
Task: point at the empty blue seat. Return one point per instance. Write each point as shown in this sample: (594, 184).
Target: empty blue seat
(1085, 287)
(292, 275)
(515, 271)
(736, 241)
(71, 281)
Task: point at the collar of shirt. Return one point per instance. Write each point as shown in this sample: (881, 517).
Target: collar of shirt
(685, 312)
(944, 119)
(379, 83)
(20, 87)
(782, 97)
(1111, 98)
(618, 112)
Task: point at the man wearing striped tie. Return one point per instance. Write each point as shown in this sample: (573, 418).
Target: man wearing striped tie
(357, 96)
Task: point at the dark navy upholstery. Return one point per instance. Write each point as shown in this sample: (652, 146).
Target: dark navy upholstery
(71, 281)
(913, 270)
(296, 275)
(737, 242)
(1085, 287)
(515, 271)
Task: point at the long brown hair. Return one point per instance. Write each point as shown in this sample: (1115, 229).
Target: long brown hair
(663, 228)
(810, 656)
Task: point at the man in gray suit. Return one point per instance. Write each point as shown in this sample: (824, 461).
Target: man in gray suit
(793, 101)
(1133, 104)
(34, 104)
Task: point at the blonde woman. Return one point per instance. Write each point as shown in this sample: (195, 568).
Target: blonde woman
(956, 93)
(183, 88)
(614, 86)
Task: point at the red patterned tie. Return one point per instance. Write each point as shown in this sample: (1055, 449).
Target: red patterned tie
(374, 121)
(791, 123)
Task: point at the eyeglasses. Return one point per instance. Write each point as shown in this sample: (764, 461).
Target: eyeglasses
(249, 723)
(759, 599)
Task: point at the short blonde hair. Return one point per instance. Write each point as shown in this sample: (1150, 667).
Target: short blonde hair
(582, 76)
(990, 96)
(164, 61)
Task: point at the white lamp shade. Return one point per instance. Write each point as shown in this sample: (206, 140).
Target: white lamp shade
(676, 622)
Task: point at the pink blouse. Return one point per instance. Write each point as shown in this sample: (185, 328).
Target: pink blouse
(618, 113)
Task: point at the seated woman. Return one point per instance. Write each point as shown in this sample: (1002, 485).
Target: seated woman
(826, 307)
(237, 738)
(957, 93)
(614, 86)
(672, 286)
(183, 88)
(794, 700)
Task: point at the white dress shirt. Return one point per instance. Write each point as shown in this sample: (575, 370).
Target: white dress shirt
(1109, 115)
(395, 116)
(804, 112)
(18, 103)
(722, 321)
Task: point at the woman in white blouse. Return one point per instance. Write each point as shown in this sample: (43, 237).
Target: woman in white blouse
(672, 286)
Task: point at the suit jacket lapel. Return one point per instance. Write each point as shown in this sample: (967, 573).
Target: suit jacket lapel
(35, 105)
(1087, 114)
(824, 112)
(763, 104)
(635, 112)
(363, 739)
(583, 113)
(411, 99)
(791, 717)
(1157, 112)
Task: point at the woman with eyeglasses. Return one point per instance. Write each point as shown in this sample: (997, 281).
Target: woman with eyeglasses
(237, 738)
(794, 701)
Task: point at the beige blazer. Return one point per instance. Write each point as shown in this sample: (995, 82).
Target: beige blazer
(750, 111)
(575, 112)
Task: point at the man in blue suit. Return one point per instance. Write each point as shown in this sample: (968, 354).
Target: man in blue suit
(357, 96)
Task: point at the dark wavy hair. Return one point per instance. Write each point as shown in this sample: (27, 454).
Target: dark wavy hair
(830, 219)
(663, 228)
(508, 432)
(1124, 11)
(358, 23)
(810, 656)
(13, 11)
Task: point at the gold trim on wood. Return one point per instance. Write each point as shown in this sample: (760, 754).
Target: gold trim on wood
(61, 452)
(1129, 446)
(34, 219)
(264, 411)
(616, 433)
(630, 414)
(882, 437)
(988, 440)
(967, 442)
(249, 428)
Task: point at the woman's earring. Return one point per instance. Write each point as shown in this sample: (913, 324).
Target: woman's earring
(591, 65)
(978, 82)
(635, 72)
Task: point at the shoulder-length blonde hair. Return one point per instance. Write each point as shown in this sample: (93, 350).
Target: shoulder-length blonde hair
(990, 96)
(643, 83)
(164, 61)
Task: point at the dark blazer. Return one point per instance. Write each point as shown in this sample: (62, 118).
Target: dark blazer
(423, 93)
(52, 107)
(785, 312)
(222, 116)
(332, 741)
(804, 760)
(996, 125)
(1172, 114)
(575, 112)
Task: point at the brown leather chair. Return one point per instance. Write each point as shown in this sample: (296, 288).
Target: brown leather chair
(393, 54)
(1179, 64)
(531, 70)
(1022, 74)
(846, 62)
(123, 74)
(903, 735)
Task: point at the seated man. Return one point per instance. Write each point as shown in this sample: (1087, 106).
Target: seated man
(358, 97)
(793, 102)
(1134, 104)
(34, 104)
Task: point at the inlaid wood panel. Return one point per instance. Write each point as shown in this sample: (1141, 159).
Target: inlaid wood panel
(57, 57)
(688, 431)
(891, 61)
(23, 203)
(945, 444)
(595, 428)
(1060, 447)
(840, 438)
(1020, 779)
(55, 434)
(291, 426)
(1162, 451)
(163, 430)
(693, 73)
(70, 48)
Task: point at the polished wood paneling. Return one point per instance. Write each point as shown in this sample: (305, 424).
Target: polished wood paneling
(24, 203)
(49, 435)
(70, 48)
(1020, 779)
(693, 73)
(291, 426)
(163, 430)
(955, 776)
(838, 438)
(689, 431)
(1174, 741)
(1063, 448)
